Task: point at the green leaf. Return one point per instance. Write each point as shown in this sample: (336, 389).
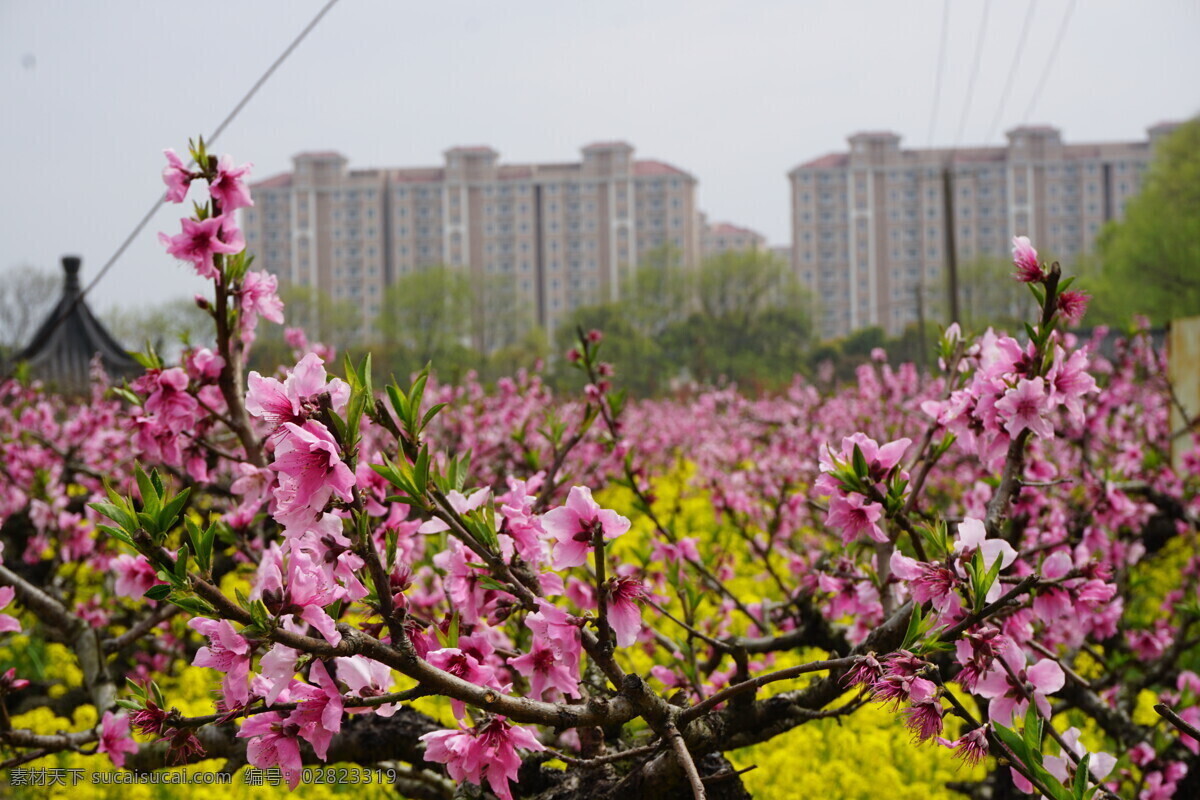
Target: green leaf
(1032, 733)
(415, 395)
(195, 538)
(126, 395)
(202, 543)
(148, 360)
(226, 534)
(148, 522)
(986, 580)
(339, 424)
(491, 583)
(1081, 777)
(193, 604)
(1013, 741)
(170, 511)
(431, 413)
(464, 469)
(181, 564)
(158, 695)
(861, 468)
(117, 534)
(914, 626)
(151, 500)
(364, 374)
(391, 538)
(156, 481)
(421, 472)
(399, 475)
(116, 514)
(260, 614)
(158, 592)
(399, 404)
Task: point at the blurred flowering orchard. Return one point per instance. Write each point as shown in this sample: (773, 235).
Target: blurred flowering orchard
(499, 592)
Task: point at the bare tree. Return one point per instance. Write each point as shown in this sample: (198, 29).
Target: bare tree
(27, 294)
(167, 326)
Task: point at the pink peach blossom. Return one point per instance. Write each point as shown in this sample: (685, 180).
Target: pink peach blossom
(176, 176)
(574, 526)
(485, 752)
(228, 187)
(115, 738)
(201, 240)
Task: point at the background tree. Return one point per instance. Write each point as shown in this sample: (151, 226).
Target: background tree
(422, 320)
(642, 369)
(741, 317)
(532, 349)
(27, 294)
(335, 323)
(502, 319)
(753, 323)
(657, 294)
(1151, 260)
(166, 327)
(988, 297)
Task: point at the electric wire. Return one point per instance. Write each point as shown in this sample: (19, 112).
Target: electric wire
(1012, 71)
(1041, 84)
(941, 67)
(962, 121)
(213, 138)
(145, 220)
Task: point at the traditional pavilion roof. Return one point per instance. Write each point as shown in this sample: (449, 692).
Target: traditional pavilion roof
(61, 352)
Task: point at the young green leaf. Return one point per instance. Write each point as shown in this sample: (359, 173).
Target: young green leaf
(1079, 788)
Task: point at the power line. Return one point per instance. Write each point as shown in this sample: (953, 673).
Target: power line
(941, 66)
(66, 312)
(1012, 71)
(962, 122)
(216, 133)
(1058, 40)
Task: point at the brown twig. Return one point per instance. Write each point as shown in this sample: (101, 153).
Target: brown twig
(144, 626)
(685, 760)
(348, 701)
(1179, 722)
(715, 700)
(599, 761)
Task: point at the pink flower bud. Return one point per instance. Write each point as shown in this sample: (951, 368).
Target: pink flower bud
(1073, 305)
(1026, 260)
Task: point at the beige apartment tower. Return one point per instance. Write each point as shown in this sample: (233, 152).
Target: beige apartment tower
(868, 225)
(556, 236)
(725, 237)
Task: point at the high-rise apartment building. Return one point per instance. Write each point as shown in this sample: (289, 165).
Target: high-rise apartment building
(868, 225)
(558, 235)
(723, 237)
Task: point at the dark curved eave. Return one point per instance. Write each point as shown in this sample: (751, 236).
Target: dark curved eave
(62, 350)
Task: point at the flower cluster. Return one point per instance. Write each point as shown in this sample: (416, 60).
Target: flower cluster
(595, 567)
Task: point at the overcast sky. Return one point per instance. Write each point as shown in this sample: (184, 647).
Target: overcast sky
(737, 93)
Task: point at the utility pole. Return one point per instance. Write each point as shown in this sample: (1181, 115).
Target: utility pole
(922, 344)
(951, 249)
